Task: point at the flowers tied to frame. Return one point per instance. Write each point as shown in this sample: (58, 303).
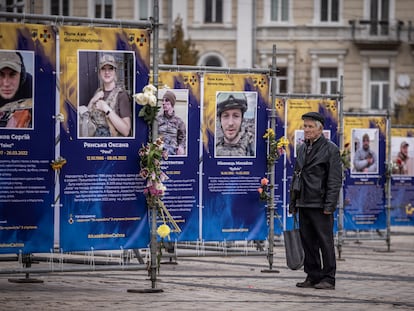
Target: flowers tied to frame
(276, 146)
(147, 99)
(264, 189)
(276, 149)
(151, 156)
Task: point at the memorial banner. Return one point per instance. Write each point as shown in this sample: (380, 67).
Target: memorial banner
(364, 188)
(402, 176)
(182, 129)
(103, 206)
(234, 156)
(294, 125)
(27, 123)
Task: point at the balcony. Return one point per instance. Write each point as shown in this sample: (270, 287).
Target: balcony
(374, 34)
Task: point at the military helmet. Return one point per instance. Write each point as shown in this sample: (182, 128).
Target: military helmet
(228, 101)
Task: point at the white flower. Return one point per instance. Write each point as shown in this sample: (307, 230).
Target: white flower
(152, 100)
(141, 98)
(149, 89)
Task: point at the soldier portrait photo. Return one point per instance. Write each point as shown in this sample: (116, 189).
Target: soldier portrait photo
(172, 120)
(105, 87)
(236, 124)
(16, 89)
(364, 151)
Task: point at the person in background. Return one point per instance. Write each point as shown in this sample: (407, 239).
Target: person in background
(16, 91)
(365, 160)
(230, 114)
(317, 180)
(110, 109)
(171, 127)
(401, 161)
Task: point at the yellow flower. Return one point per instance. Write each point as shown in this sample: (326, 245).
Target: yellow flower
(269, 134)
(58, 163)
(282, 142)
(163, 230)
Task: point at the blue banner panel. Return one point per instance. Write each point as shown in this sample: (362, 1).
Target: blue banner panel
(234, 156)
(27, 106)
(103, 206)
(182, 197)
(364, 188)
(402, 177)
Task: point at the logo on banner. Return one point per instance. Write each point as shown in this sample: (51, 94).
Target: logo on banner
(141, 40)
(45, 36)
(260, 82)
(190, 80)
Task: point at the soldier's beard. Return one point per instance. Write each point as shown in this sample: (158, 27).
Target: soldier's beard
(232, 138)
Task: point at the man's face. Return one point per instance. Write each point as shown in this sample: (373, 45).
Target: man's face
(365, 143)
(311, 130)
(167, 106)
(231, 121)
(9, 83)
(404, 150)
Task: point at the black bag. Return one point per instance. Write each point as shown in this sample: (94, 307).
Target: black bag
(293, 246)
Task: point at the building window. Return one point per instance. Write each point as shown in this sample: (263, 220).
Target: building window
(282, 81)
(379, 88)
(213, 62)
(12, 6)
(60, 7)
(103, 8)
(279, 10)
(329, 10)
(213, 11)
(328, 80)
(379, 16)
(144, 9)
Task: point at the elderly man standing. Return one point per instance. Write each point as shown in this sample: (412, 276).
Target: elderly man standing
(314, 193)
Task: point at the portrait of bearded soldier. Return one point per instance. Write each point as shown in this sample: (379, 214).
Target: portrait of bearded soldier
(236, 140)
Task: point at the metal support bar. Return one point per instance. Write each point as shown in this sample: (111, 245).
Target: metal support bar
(212, 69)
(72, 19)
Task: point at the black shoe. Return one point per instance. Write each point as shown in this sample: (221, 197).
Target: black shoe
(324, 285)
(306, 284)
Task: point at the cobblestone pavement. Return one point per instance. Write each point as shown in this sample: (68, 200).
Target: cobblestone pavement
(369, 277)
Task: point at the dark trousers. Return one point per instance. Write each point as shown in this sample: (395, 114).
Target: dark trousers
(316, 231)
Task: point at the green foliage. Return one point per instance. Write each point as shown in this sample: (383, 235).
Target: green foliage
(185, 49)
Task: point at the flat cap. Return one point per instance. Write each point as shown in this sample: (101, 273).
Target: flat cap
(314, 116)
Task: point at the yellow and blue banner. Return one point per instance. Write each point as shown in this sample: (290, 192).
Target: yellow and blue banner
(101, 191)
(402, 176)
(27, 123)
(364, 187)
(182, 197)
(232, 171)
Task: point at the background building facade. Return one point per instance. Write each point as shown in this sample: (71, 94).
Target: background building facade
(370, 43)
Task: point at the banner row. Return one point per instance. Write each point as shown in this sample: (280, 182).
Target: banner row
(70, 134)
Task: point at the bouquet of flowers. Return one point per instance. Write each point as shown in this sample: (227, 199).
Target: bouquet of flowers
(276, 149)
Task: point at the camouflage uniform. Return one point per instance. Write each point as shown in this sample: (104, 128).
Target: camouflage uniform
(243, 148)
(172, 130)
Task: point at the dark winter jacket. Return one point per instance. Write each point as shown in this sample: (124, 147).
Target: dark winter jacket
(320, 176)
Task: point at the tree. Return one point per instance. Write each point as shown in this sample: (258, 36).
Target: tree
(404, 114)
(186, 54)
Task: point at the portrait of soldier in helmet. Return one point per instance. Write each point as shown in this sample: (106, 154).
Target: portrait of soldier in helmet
(235, 125)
